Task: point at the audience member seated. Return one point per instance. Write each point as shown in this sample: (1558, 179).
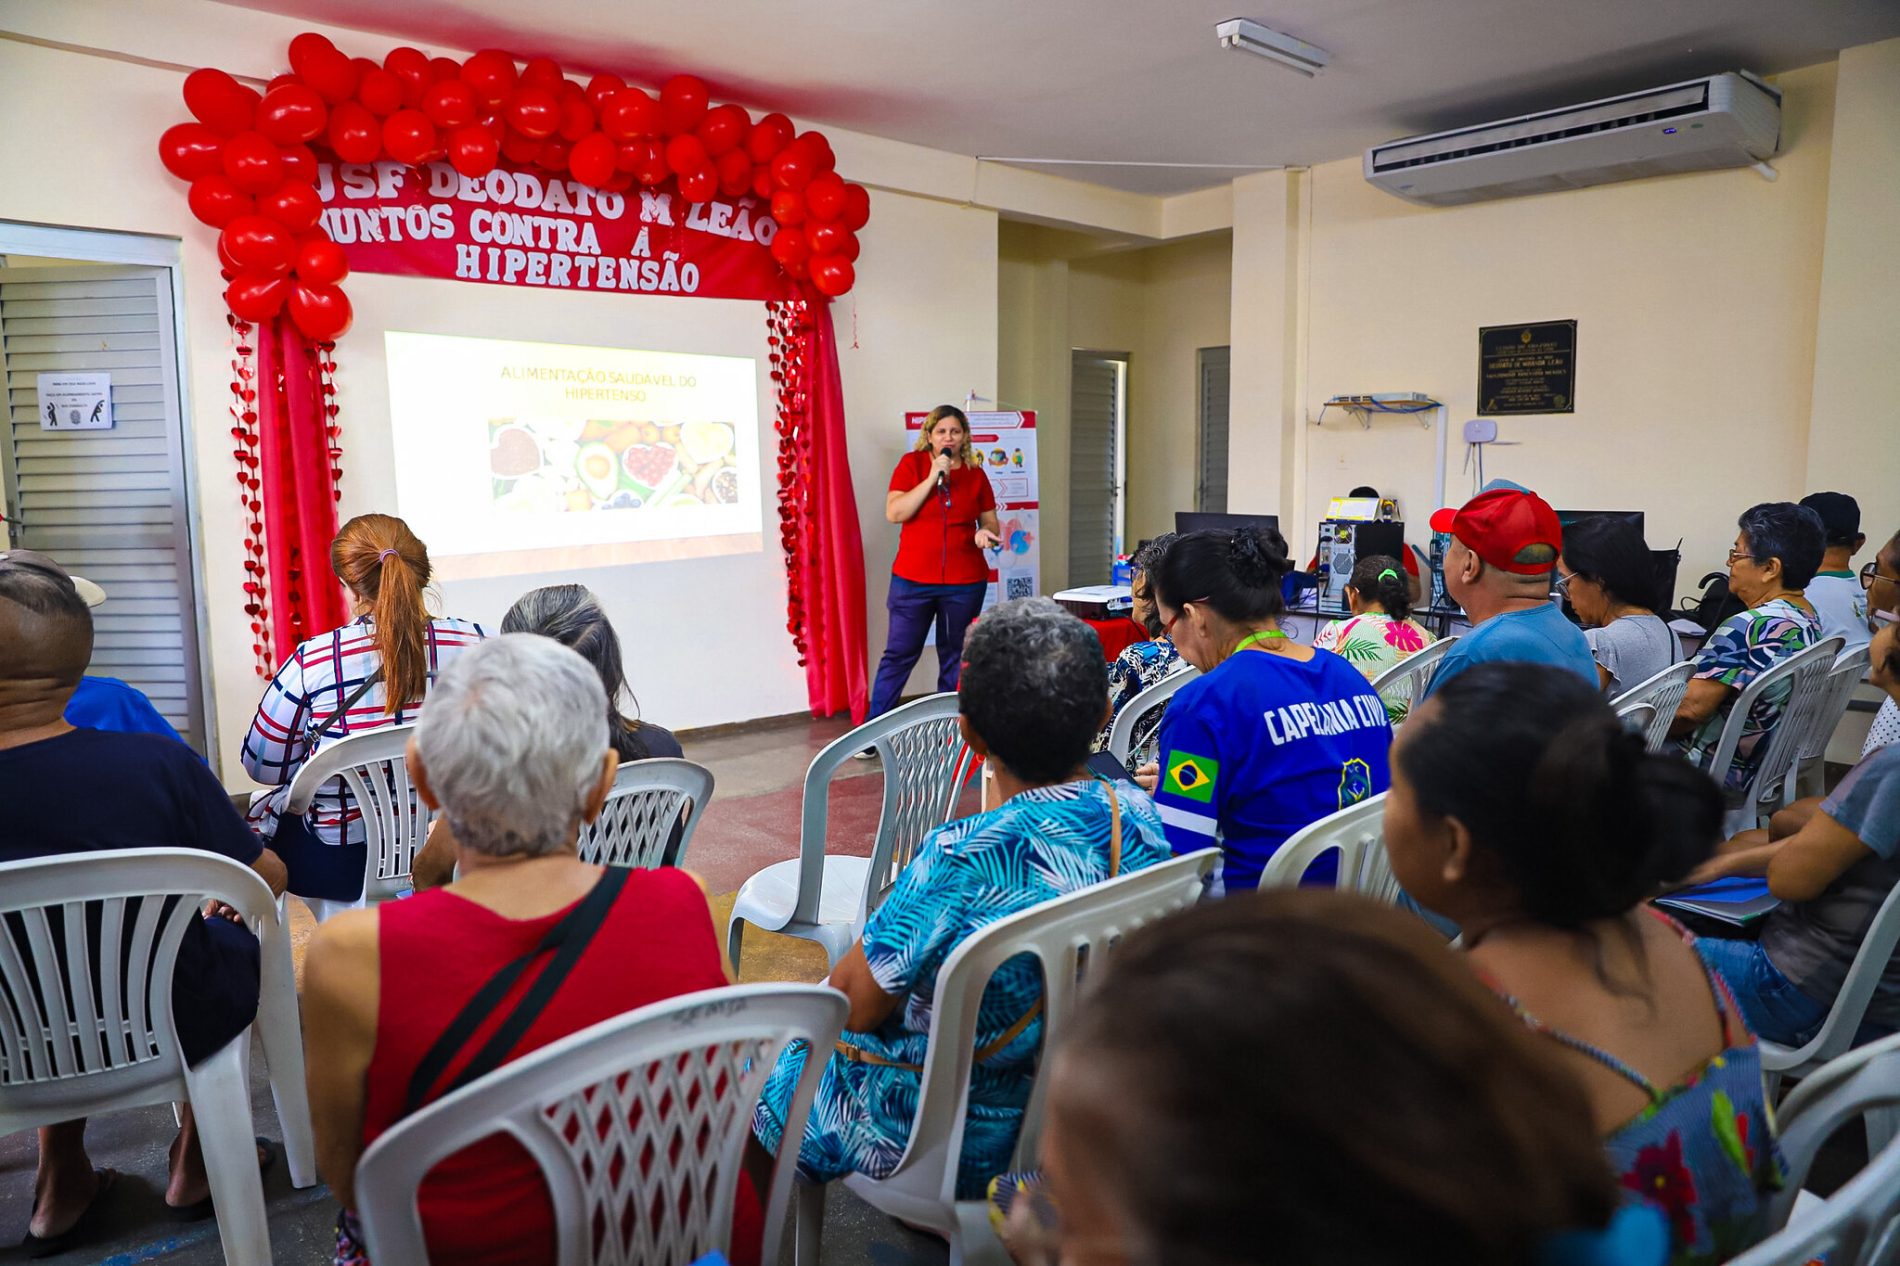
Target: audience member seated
(1521, 809)
(1034, 689)
(1838, 597)
(1504, 546)
(1366, 1102)
(1775, 556)
(1609, 575)
(367, 675)
(1831, 873)
(1381, 631)
(1274, 735)
(512, 746)
(1881, 580)
(68, 790)
(1142, 664)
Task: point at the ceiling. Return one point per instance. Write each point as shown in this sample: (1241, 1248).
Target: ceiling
(1138, 79)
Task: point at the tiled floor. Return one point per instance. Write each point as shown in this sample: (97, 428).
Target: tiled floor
(751, 822)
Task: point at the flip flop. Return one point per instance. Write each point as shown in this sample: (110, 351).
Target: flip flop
(38, 1246)
(200, 1210)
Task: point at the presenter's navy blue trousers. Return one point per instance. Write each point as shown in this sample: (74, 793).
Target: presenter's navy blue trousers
(914, 608)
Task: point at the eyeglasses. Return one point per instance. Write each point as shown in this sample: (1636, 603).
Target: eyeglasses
(1562, 584)
(1167, 626)
(1739, 555)
(1871, 572)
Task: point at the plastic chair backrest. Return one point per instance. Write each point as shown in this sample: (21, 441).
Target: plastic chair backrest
(1844, 1018)
(1402, 684)
(1850, 668)
(641, 823)
(69, 1037)
(394, 819)
(1069, 937)
(1143, 713)
(1357, 834)
(1797, 680)
(1663, 690)
(1857, 1219)
(1639, 719)
(638, 1124)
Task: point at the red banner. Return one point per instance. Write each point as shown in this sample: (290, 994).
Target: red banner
(523, 228)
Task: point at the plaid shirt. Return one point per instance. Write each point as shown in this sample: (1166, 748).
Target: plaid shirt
(313, 683)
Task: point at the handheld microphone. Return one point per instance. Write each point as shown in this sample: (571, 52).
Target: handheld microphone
(943, 479)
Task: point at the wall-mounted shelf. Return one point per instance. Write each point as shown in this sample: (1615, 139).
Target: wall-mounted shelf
(1363, 407)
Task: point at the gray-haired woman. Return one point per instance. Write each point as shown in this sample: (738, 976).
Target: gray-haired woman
(512, 747)
(571, 615)
(1033, 693)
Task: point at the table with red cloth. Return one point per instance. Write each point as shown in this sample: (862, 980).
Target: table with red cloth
(1117, 634)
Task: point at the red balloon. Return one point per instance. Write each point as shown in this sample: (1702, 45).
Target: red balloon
(685, 153)
(381, 91)
(832, 274)
(216, 201)
(191, 150)
(306, 46)
(826, 239)
(411, 65)
(629, 115)
(825, 197)
(543, 73)
(554, 154)
(763, 186)
(516, 148)
(682, 103)
(818, 149)
(331, 74)
(601, 87)
(735, 172)
(788, 208)
(300, 164)
(491, 73)
(226, 265)
(449, 103)
(256, 296)
(321, 262)
(219, 102)
(577, 119)
(444, 68)
(260, 245)
(857, 207)
(321, 312)
(700, 184)
(354, 133)
(473, 151)
(533, 112)
(724, 128)
(768, 136)
(791, 170)
(291, 114)
(650, 163)
(409, 136)
(790, 248)
(279, 81)
(592, 159)
(849, 248)
(295, 206)
(252, 163)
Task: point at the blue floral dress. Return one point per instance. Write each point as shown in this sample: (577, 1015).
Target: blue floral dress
(1138, 667)
(1743, 647)
(1036, 846)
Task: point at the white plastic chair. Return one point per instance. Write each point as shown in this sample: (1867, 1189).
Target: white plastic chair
(825, 897)
(650, 800)
(75, 1046)
(1844, 1018)
(639, 1125)
(1070, 937)
(395, 821)
(1801, 677)
(1837, 691)
(1639, 719)
(1144, 712)
(1856, 1224)
(1357, 834)
(1402, 684)
(1664, 691)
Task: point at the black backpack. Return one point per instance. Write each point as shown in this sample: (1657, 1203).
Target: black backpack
(1715, 605)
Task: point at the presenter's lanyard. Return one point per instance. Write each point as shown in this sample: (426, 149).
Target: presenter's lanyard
(1258, 638)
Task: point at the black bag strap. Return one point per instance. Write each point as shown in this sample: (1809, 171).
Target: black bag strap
(318, 731)
(567, 939)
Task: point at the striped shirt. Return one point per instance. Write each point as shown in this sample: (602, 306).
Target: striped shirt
(313, 683)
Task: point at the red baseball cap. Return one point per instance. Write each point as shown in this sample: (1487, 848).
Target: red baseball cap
(1499, 525)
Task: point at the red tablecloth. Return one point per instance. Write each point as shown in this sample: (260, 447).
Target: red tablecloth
(1117, 635)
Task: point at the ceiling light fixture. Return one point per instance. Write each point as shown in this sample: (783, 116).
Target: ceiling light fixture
(1265, 42)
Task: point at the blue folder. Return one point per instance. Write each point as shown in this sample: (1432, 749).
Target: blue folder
(1736, 900)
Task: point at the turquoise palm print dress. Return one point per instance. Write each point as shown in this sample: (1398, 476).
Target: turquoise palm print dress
(1034, 847)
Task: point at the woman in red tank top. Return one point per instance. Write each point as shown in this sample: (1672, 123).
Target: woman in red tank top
(512, 746)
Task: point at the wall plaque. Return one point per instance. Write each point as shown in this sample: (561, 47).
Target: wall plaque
(1527, 368)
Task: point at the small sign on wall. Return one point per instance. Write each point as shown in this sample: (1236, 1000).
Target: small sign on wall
(1527, 368)
(75, 402)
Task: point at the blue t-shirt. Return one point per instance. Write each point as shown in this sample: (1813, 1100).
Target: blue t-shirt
(1540, 635)
(1263, 746)
(106, 703)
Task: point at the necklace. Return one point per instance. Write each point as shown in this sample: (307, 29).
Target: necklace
(1259, 637)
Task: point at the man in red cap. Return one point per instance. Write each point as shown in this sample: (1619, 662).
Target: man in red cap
(1504, 543)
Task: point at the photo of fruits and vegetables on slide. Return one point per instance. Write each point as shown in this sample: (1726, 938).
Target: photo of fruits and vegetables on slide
(601, 464)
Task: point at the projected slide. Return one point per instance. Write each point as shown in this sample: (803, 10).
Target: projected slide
(529, 457)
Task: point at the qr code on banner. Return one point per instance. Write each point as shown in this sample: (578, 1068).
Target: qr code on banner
(1019, 587)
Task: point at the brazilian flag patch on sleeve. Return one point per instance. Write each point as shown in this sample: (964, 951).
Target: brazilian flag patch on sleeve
(1191, 777)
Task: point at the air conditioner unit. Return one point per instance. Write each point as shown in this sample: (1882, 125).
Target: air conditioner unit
(1726, 120)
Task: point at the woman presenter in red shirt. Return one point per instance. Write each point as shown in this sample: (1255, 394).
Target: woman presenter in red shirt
(942, 498)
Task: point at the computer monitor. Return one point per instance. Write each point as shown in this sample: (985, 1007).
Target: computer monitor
(1186, 521)
(1571, 518)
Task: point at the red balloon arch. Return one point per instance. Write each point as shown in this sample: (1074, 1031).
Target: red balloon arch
(250, 159)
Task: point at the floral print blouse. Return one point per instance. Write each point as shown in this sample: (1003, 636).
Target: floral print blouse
(1372, 643)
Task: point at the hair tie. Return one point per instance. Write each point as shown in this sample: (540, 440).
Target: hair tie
(388, 553)
(1388, 572)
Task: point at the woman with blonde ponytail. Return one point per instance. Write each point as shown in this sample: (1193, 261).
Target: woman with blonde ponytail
(371, 673)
